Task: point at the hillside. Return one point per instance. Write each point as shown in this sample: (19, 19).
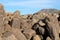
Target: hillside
(42, 25)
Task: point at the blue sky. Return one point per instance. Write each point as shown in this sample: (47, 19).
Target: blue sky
(29, 6)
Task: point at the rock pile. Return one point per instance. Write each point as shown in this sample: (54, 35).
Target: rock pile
(43, 25)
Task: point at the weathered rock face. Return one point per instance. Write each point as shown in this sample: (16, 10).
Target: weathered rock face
(29, 33)
(16, 14)
(2, 14)
(43, 25)
(8, 36)
(16, 23)
(1, 24)
(53, 27)
(18, 34)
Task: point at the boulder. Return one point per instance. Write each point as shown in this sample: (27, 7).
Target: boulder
(8, 36)
(1, 6)
(16, 23)
(1, 24)
(2, 11)
(16, 14)
(7, 27)
(38, 28)
(29, 33)
(18, 34)
(41, 30)
(52, 27)
(24, 24)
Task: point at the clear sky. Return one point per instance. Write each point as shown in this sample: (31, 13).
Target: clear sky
(29, 6)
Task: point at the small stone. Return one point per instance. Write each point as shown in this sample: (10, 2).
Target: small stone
(2, 11)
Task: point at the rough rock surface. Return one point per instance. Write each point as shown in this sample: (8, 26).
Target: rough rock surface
(43, 25)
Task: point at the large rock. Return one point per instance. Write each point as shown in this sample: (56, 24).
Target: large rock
(1, 6)
(8, 36)
(18, 34)
(16, 14)
(1, 24)
(29, 33)
(41, 30)
(11, 37)
(16, 23)
(9, 16)
(2, 12)
(36, 17)
(24, 24)
(7, 27)
(53, 27)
